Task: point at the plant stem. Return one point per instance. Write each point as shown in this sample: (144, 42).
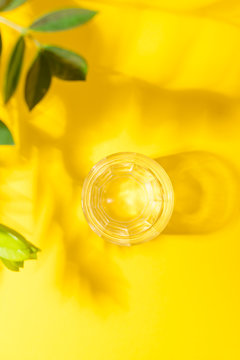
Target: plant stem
(18, 28)
(9, 23)
(36, 42)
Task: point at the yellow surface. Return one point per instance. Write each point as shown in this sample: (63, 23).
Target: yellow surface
(164, 80)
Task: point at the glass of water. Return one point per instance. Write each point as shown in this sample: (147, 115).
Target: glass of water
(127, 198)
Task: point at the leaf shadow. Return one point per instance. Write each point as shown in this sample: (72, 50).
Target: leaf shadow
(89, 270)
(187, 110)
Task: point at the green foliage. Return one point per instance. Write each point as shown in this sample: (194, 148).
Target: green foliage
(5, 135)
(38, 80)
(12, 265)
(0, 44)
(4, 4)
(62, 20)
(15, 249)
(50, 61)
(65, 64)
(11, 4)
(14, 69)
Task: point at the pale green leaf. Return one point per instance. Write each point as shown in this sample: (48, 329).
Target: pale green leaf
(12, 265)
(14, 247)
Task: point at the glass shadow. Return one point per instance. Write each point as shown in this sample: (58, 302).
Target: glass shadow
(206, 192)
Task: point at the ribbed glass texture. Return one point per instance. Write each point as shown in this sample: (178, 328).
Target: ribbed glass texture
(127, 198)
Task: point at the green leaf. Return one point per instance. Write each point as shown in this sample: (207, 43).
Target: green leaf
(0, 44)
(5, 135)
(38, 80)
(14, 69)
(4, 4)
(14, 247)
(12, 265)
(65, 64)
(62, 19)
(12, 4)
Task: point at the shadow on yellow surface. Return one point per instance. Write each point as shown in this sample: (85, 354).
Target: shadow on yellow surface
(206, 192)
(187, 109)
(94, 269)
(87, 270)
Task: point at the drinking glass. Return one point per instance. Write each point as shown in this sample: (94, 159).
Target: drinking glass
(127, 198)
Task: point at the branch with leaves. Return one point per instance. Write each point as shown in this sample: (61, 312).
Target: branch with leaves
(50, 61)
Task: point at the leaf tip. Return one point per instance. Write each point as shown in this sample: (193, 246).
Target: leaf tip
(6, 96)
(94, 12)
(30, 107)
(6, 137)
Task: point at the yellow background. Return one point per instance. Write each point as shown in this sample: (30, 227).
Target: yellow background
(164, 80)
